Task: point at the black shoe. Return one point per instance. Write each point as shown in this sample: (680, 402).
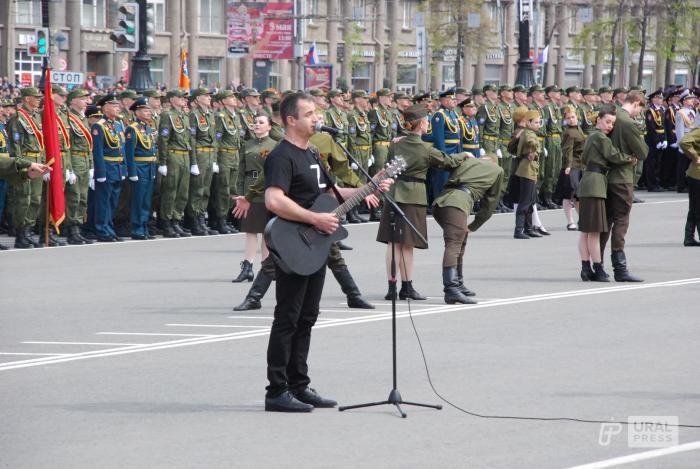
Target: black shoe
(106, 239)
(655, 189)
(3, 247)
(543, 231)
(198, 229)
(587, 274)
(391, 293)
(690, 242)
(246, 273)
(177, 228)
(407, 291)
(248, 304)
(358, 302)
(520, 234)
(353, 217)
(139, 237)
(621, 274)
(344, 247)
(285, 402)
(375, 214)
(22, 241)
(311, 397)
(222, 227)
(533, 233)
(209, 231)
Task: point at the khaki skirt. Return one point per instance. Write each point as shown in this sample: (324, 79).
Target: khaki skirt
(416, 214)
(257, 218)
(592, 215)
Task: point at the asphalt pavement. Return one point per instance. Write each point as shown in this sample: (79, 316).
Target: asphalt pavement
(129, 355)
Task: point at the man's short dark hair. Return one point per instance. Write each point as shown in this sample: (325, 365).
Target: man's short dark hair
(607, 110)
(289, 107)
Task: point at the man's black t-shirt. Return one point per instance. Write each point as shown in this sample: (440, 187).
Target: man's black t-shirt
(296, 171)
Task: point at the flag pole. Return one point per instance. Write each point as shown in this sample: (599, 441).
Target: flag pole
(46, 216)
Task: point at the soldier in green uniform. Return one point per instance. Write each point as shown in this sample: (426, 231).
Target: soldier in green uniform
(641, 124)
(527, 171)
(27, 145)
(520, 96)
(587, 116)
(489, 120)
(15, 170)
(539, 104)
(380, 122)
(552, 145)
(473, 180)
(573, 100)
(336, 117)
(506, 127)
(403, 102)
(174, 164)
(203, 165)
(359, 141)
(267, 97)
(606, 96)
(619, 95)
(690, 144)
(251, 102)
(230, 134)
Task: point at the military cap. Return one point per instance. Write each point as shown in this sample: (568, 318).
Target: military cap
(449, 93)
(467, 102)
(269, 93)
(519, 113)
(318, 92)
(109, 98)
(359, 94)
(604, 89)
(696, 91)
(128, 94)
(400, 95)
(421, 97)
(177, 92)
(532, 115)
(140, 103)
(552, 89)
(384, 92)
(505, 88)
(249, 92)
(587, 91)
(77, 93)
(7, 103)
(658, 92)
(151, 94)
(685, 94)
(200, 92)
(59, 90)
(573, 89)
(534, 88)
(334, 93)
(619, 90)
(93, 111)
(477, 91)
(30, 91)
(461, 90)
(415, 112)
(489, 87)
(434, 95)
(223, 94)
(637, 88)
(519, 89)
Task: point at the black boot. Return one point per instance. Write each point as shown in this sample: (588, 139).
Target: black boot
(224, 227)
(80, 235)
(54, 241)
(599, 274)
(690, 235)
(587, 273)
(619, 262)
(451, 288)
(168, 229)
(519, 232)
(533, 233)
(343, 247)
(353, 217)
(548, 201)
(257, 291)
(74, 237)
(178, 228)
(375, 214)
(460, 281)
(198, 228)
(407, 291)
(21, 239)
(246, 273)
(349, 287)
(203, 223)
(391, 293)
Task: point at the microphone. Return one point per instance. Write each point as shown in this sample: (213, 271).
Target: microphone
(330, 130)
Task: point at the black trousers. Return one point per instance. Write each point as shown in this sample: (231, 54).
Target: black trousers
(297, 309)
(693, 202)
(681, 168)
(528, 196)
(652, 167)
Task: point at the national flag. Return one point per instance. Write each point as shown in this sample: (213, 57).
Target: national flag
(184, 71)
(543, 56)
(312, 57)
(56, 200)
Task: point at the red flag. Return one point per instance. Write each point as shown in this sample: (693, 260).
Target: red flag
(184, 71)
(57, 202)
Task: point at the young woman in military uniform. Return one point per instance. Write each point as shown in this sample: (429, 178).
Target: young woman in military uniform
(410, 193)
(570, 175)
(250, 168)
(598, 156)
(528, 167)
(690, 144)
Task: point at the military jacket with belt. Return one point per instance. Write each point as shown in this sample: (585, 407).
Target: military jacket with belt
(656, 133)
(80, 136)
(252, 162)
(528, 143)
(229, 132)
(108, 149)
(401, 130)
(690, 144)
(599, 152)
(139, 146)
(553, 120)
(359, 131)
(247, 118)
(505, 113)
(202, 131)
(447, 131)
(26, 138)
(627, 139)
(670, 123)
(419, 155)
(173, 135)
(64, 139)
(489, 120)
(587, 118)
(542, 131)
(380, 123)
(470, 134)
(572, 147)
(337, 119)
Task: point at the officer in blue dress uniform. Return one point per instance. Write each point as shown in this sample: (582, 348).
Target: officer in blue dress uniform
(470, 127)
(446, 137)
(93, 114)
(108, 155)
(140, 154)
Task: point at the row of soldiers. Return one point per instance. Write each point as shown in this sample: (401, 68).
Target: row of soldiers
(190, 143)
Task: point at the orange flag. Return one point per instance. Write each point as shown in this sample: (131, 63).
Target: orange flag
(57, 202)
(184, 71)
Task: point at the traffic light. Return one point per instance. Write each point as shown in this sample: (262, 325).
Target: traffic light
(126, 39)
(150, 26)
(40, 46)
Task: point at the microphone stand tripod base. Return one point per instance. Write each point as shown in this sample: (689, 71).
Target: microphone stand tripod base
(394, 399)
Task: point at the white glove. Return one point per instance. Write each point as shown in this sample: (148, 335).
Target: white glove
(91, 174)
(101, 179)
(665, 144)
(67, 176)
(674, 145)
(123, 177)
(133, 178)
(194, 170)
(91, 183)
(163, 170)
(499, 153)
(215, 167)
(546, 153)
(354, 167)
(370, 162)
(72, 178)
(660, 146)
(46, 177)
(482, 152)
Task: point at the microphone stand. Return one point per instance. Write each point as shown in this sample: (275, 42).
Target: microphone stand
(394, 398)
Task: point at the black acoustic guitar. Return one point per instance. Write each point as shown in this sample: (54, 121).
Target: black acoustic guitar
(301, 249)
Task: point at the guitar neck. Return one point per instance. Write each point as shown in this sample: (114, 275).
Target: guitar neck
(351, 202)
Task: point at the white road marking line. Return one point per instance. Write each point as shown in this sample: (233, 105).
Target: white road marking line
(153, 334)
(269, 318)
(77, 343)
(211, 325)
(356, 320)
(656, 453)
(38, 354)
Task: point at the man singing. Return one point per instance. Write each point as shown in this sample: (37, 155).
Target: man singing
(294, 177)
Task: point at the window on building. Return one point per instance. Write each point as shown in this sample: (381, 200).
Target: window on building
(406, 74)
(362, 76)
(28, 12)
(681, 77)
(448, 76)
(209, 70)
(275, 77)
(574, 23)
(492, 74)
(311, 9)
(407, 18)
(211, 16)
(159, 13)
(495, 17)
(27, 68)
(93, 14)
(158, 70)
(358, 11)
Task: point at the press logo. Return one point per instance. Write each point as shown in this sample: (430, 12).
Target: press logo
(649, 431)
(607, 431)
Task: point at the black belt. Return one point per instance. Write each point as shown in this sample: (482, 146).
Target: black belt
(406, 178)
(464, 188)
(253, 174)
(597, 169)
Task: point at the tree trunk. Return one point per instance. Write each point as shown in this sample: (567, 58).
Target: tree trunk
(646, 11)
(460, 51)
(613, 40)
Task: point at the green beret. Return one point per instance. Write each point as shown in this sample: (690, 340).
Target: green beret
(489, 87)
(200, 92)
(128, 94)
(359, 94)
(151, 93)
(505, 88)
(519, 89)
(30, 91)
(249, 92)
(552, 89)
(534, 88)
(604, 89)
(59, 90)
(384, 92)
(415, 112)
(77, 93)
(573, 89)
(177, 92)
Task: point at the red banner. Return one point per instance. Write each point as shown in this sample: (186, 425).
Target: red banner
(260, 30)
(57, 203)
(318, 76)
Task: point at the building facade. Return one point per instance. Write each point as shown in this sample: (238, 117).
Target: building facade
(370, 43)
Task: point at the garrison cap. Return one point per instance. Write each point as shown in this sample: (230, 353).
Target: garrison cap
(77, 93)
(573, 89)
(140, 103)
(359, 94)
(199, 92)
(552, 89)
(128, 94)
(59, 90)
(177, 92)
(467, 102)
(109, 98)
(658, 92)
(534, 88)
(619, 90)
(415, 112)
(335, 92)
(489, 87)
(384, 92)
(587, 91)
(519, 89)
(450, 93)
(461, 91)
(318, 92)
(249, 92)
(30, 91)
(151, 94)
(93, 111)
(604, 89)
(505, 87)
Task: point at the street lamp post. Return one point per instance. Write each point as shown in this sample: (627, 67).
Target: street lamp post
(140, 79)
(525, 75)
